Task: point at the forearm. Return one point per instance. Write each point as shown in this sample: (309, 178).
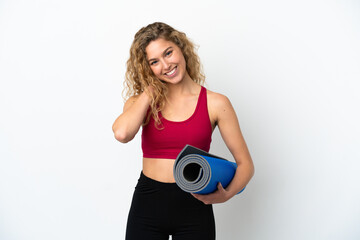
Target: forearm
(128, 123)
(243, 174)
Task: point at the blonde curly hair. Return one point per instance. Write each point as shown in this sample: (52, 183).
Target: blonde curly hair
(139, 74)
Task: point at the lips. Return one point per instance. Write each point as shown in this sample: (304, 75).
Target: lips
(172, 72)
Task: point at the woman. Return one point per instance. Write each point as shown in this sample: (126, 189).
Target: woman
(164, 82)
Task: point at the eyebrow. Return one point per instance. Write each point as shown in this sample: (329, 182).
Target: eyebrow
(163, 54)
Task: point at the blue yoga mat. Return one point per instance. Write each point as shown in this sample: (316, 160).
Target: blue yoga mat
(196, 171)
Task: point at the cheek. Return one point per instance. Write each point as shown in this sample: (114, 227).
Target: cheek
(156, 70)
(182, 60)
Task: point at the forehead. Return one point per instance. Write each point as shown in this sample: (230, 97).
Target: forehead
(157, 47)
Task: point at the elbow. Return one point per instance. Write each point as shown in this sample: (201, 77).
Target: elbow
(122, 136)
(252, 170)
(248, 168)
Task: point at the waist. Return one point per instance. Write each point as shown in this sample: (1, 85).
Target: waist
(159, 169)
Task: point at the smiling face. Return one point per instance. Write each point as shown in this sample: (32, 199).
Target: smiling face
(166, 60)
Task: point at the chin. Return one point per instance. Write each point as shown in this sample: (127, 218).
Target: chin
(174, 81)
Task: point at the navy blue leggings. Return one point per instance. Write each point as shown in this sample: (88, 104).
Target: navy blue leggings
(161, 209)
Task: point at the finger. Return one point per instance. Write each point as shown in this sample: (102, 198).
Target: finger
(197, 196)
(206, 199)
(201, 200)
(220, 187)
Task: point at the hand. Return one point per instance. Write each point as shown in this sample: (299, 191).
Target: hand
(149, 89)
(219, 196)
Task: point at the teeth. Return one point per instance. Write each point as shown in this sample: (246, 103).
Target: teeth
(169, 73)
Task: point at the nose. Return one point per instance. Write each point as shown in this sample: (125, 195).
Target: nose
(166, 65)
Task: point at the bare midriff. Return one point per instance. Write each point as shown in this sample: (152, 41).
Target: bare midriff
(159, 169)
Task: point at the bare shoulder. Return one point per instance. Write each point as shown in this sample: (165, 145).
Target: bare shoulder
(219, 107)
(130, 101)
(217, 100)
(132, 98)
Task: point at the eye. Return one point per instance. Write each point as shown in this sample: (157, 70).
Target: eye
(153, 62)
(169, 53)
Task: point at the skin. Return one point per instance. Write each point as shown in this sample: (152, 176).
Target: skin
(163, 57)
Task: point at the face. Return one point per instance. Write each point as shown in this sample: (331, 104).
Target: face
(166, 61)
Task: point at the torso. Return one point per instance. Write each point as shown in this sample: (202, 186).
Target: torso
(161, 169)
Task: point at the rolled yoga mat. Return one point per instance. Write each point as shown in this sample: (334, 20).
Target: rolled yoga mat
(196, 171)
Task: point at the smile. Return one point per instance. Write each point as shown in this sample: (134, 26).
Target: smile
(172, 72)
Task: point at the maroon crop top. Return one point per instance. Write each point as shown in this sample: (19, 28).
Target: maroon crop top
(171, 138)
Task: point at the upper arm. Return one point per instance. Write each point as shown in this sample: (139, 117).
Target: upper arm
(224, 114)
(129, 103)
(126, 106)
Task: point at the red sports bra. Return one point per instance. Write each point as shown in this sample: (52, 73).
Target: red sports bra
(168, 141)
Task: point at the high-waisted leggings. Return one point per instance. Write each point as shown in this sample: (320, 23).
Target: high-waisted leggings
(161, 209)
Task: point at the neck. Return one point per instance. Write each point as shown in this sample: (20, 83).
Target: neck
(186, 86)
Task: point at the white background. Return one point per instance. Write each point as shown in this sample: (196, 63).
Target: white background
(290, 68)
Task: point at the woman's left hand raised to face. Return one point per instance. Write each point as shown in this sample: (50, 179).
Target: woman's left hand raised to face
(219, 196)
